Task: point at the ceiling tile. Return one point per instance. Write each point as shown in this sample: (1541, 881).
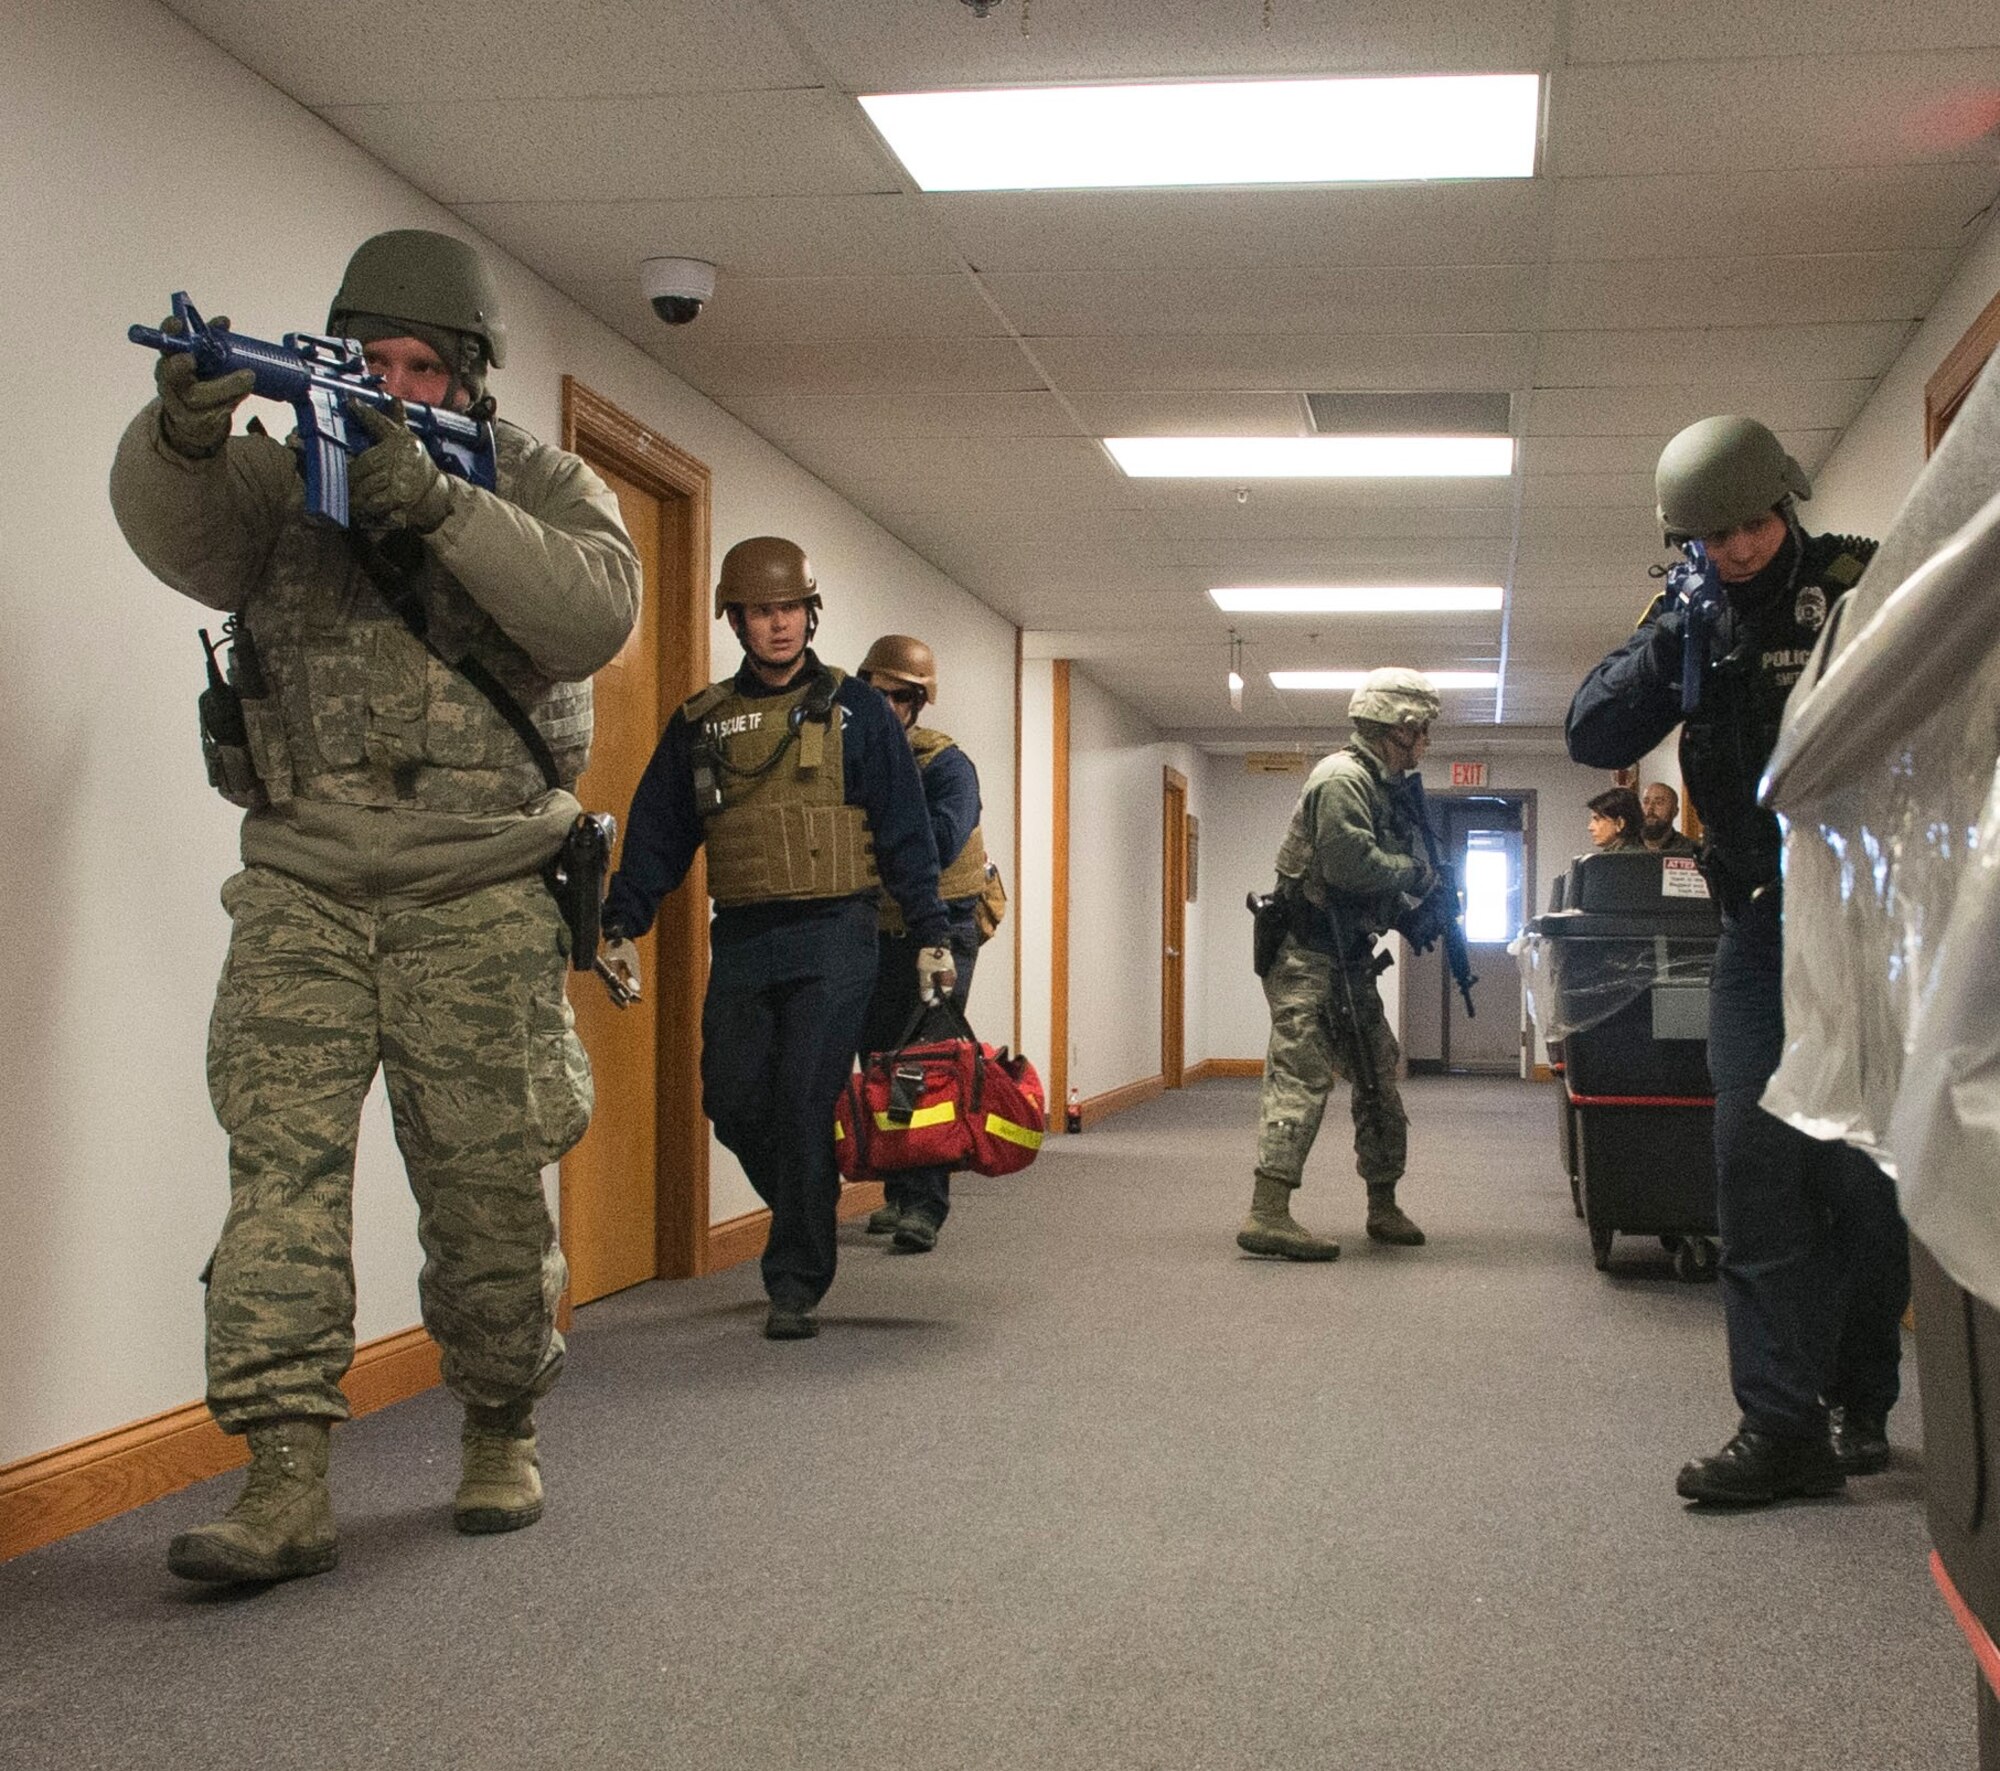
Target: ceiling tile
(1797, 289)
(743, 144)
(964, 460)
(1667, 407)
(384, 51)
(790, 417)
(1188, 412)
(844, 366)
(1865, 209)
(801, 310)
(831, 236)
(1223, 233)
(1838, 111)
(1294, 299)
(1474, 361)
(1696, 30)
(898, 45)
(1727, 353)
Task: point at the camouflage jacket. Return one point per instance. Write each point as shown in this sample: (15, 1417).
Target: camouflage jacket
(1353, 842)
(538, 581)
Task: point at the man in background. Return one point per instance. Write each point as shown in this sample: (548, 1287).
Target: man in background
(1661, 807)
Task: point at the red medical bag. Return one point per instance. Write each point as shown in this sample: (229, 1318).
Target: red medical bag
(944, 1103)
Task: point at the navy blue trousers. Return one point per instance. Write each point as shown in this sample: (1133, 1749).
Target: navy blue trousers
(1815, 1267)
(917, 1190)
(786, 998)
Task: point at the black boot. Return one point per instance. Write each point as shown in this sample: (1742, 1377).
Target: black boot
(1860, 1440)
(1755, 1468)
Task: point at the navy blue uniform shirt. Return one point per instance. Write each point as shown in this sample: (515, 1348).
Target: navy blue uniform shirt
(664, 828)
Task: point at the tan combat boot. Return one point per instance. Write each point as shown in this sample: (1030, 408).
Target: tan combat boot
(1271, 1229)
(500, 1481)
(282, 1523)
(1387, 1221)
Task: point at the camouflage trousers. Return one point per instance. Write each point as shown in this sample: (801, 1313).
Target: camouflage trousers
(1303, 1062)
(461, 1006)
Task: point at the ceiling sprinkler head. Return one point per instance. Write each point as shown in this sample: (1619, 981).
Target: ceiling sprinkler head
(980, 8)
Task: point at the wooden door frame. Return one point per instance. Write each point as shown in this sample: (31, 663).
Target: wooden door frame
(1952, 380)
(1173, 846)
(595, 429)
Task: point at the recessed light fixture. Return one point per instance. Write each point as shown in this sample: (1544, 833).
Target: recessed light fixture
(1213, 132)
(1353, 679)
(1355, 599)
(1312, 458)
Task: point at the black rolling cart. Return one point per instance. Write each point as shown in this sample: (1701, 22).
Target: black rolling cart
(1623, 969)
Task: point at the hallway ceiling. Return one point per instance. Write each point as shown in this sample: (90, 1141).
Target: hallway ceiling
(1742, 205)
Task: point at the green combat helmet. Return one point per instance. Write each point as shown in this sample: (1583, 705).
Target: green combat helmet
(1720, 472)
(411, 282)
(1392, 695)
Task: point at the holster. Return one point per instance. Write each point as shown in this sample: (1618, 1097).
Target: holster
(574, 875)
(225, 738)
(1270, 922)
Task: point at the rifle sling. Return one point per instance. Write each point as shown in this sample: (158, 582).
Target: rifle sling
(398, 581)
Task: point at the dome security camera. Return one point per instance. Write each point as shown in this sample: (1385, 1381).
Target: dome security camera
(678, 288)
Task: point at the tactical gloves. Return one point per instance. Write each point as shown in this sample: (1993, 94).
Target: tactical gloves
(393, 483)
(196, 416)
(937, 973)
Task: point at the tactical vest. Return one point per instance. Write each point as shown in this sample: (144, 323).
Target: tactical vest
(770, 783)
(965, 875)
(1395, 832)
(360, 712)
(1727, 741)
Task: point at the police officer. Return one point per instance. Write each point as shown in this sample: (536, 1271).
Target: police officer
(1815, 1259)
(905, 671)
(1659, 806)
(390, 912)
(799, 780)
(1348, 871)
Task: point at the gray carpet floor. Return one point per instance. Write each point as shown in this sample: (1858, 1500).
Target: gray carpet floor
(1083, 1488)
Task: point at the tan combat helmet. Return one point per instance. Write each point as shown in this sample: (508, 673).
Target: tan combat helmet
(1720, 472)
(1390, 696)
(765, 569)
(903, 660)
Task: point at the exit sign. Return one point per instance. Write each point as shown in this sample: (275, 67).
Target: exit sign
(1468, 774)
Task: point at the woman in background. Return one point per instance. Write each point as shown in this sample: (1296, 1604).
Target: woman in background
(1616, 821)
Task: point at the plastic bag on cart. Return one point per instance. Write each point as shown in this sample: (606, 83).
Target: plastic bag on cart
(1885, 777)
(1575, 982)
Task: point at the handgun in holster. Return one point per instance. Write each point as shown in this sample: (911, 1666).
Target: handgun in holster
(575, 878)
(225, 737)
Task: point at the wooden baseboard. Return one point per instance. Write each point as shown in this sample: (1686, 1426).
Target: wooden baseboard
(1117, 1100)
(1211, 1069)
(737, 1240)
(1541, 1073)
(55, 1493)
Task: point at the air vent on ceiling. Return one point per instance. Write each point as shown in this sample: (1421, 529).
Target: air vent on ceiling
(1410, 415)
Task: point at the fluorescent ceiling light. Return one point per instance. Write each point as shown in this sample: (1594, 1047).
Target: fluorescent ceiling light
(1355, 599)
(1312, 458)
(1213, 132)
(1353, 679)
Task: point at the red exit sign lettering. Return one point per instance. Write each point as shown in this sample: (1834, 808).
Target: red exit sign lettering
(1468, 774)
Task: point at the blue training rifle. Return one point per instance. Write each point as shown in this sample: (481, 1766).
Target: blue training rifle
(320, 378)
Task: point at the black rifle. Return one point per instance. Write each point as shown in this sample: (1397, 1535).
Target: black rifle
(1343, 1017)
(1437, 916)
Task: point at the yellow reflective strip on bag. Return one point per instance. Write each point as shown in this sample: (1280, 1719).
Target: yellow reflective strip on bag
(838, 1133)
(1014, 1134)
(942, 1114)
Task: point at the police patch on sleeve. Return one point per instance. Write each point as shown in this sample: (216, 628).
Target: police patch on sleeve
(1810, 610)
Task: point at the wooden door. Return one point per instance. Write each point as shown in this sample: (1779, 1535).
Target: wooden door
(610, 1226)
(1173, 926)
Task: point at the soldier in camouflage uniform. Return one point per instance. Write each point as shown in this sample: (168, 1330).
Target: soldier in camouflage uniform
(390, 913)
(1347, 871)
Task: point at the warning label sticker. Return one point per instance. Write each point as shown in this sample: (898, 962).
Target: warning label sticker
(1681, 878)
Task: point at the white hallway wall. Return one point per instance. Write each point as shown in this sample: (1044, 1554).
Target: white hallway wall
(118, 191)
